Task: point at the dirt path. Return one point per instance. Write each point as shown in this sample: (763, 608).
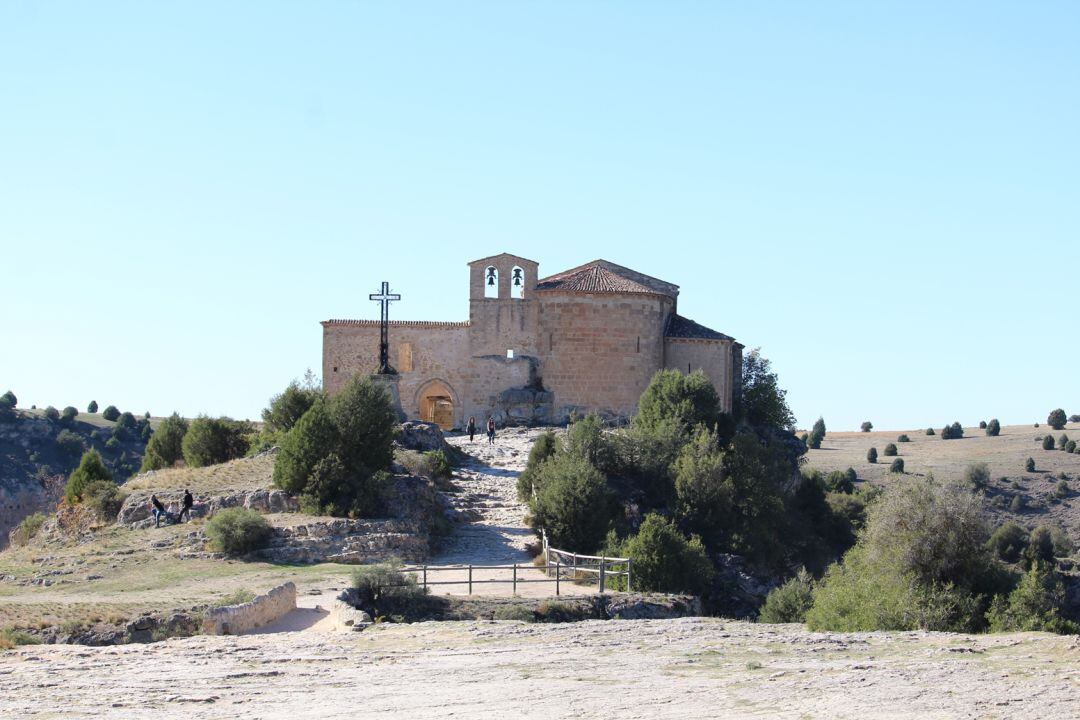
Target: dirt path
(666, 669)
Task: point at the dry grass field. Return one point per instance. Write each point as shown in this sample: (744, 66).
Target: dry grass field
(240, 475)
(1005, 455)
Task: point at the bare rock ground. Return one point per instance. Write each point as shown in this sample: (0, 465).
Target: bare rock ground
(685, 668)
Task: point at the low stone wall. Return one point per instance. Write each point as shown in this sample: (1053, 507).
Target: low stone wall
(343, 540)
(263, 610)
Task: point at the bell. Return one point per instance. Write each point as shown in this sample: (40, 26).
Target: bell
(517, 278)
(491, 279)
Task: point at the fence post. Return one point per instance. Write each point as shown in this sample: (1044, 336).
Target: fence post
(557, 573)
(515, 579)
(629, 569)
(470, 579)
(425, 577)
(603, 565)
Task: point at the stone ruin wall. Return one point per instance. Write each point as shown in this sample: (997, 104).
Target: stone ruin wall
(714, 357)
(599, 351)
(262, 610)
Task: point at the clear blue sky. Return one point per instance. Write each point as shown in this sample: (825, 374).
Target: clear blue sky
(884, 196)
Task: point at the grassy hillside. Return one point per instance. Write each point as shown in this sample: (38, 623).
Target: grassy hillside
(1005, 456)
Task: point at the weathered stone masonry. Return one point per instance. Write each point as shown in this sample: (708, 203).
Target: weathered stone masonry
(535, 350)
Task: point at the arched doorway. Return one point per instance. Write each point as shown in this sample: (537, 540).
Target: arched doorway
(436, 402)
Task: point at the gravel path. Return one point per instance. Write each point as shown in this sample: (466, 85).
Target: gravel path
(678, 669)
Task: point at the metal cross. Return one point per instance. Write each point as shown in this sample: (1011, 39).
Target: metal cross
(384, 298)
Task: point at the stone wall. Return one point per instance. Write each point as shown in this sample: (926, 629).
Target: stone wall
(263, 610)
(714, 357)
(599, 351)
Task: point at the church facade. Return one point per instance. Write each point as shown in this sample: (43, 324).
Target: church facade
(536, 350)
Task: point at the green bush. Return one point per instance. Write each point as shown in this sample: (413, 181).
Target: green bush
(977, 476)
(111, 413)
(52, 414)
(70, 444)
(1008, 542)
(852, 476)
(817, 434)
(544, 447)
(383, 591)
(211, 441)
(762, 402)
(840, 482)
(1017, 504)
(689, 399)
(289, 406)
(871, 455)
(164, 448)
(1035, 605)
(952, 432)
(903, 439)
(11, 638)
(68, 415)
(126, 420)
(930, 431)
(867, 426)
(92, 407)
(1061, 490)
(993, 428)
(1070, 447)
(514, 612)
(1047, 543)
(1062, 441)
(646, 456)
(1056, 419)
(91, 469)
(27, 529)
(982, 424)
(890, 450)
(104, 498)
(238, 531)
(585, 438)
(573, 503)
(789, 603)
(897, 466)
(664, 560)
(9, 399)
(1074, 418)
(1048, 442)
(1030, 465)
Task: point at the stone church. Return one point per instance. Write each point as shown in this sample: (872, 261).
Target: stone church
(535, 350)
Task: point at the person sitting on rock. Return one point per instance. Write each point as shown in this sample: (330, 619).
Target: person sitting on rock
(189, 501)
(158, 509)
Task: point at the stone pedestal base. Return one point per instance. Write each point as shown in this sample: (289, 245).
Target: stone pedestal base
(390, 382)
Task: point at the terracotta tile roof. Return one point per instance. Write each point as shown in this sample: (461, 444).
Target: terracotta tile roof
(397, 323)
(680, 327)
(601, 276)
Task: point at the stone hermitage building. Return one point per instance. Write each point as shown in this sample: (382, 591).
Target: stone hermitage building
(533, 351)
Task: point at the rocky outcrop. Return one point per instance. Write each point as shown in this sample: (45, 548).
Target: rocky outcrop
(420, 436)
(738, 592)
(262, 610)
(344, 540)
(135, 511)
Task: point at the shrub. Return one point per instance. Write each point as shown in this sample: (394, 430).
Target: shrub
(817, 434)
(897, 466)
(514, 612)
(930, 431)
(585, 438)
(903, 439)
(384, 591)
(92, 407)
(982, 424)
(664, 560)
(104, 498)
(839, 481)
(977, 476)
(70, 444)
(165, 446)
(544, 447)
(111, 413)
(993, 428)
(1048, 442)
(289, 406)
(867, 426)
(68, 415)
(1061, 490)
(688, 399)
(27, 529)
(237, 531)
(11, 638)
(890, 450)
(52, 414)
(437, 465)
(762, 402)
(146, 432)
(9, 399)
(1030, 465)
(210, 441)
(1008, 542)
(112, 443)
(1017, 504)
(788, 603)
(91, 469)
(1063, 441)
(1056, 419)
(1074, 418)
(1034, 605)
(573, 503)
(852, 476)
(7, 410)
(366, 422)
(952, 432)
(126, 420)
(871, 455)
(646, 456)
(236, 597)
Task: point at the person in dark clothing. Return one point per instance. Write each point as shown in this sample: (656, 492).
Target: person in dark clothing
(491, 430)
(471, 428)
(186, 506)
(158, 509)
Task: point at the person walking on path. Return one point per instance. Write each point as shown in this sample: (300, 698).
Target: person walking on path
(158, 509)
(491, 430)
(185, 509)
(471, 428)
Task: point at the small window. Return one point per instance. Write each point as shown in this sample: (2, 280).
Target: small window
(509, 354)
(517, 283)
(491, 282)
(405, 360)
(639, 343)
(335, 368)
